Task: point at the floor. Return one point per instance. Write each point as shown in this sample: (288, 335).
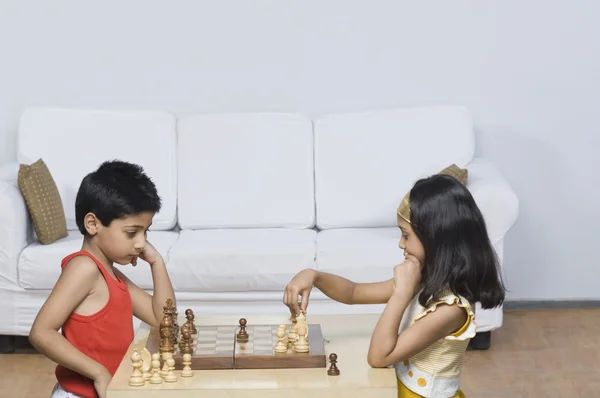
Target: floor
(537, 353)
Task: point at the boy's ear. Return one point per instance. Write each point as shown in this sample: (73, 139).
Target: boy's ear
(91, 224)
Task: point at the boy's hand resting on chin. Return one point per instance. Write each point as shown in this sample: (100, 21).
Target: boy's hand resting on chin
(149, 254)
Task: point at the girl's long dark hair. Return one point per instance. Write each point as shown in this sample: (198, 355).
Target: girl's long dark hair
(458, 252)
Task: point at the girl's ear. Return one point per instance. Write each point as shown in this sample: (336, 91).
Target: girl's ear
(91, 223)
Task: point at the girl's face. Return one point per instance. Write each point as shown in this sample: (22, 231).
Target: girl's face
(409, 241)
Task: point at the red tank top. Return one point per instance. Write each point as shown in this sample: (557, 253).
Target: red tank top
(104, 336)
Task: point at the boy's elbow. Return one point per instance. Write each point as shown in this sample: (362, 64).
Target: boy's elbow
(39, 335)
(34, 337)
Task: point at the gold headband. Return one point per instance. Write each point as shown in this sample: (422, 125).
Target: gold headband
(452, 170)
(404, 208)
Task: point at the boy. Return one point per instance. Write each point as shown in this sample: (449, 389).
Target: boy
(92, 301)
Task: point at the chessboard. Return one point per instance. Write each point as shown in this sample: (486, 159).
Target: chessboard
(259, 353)
(243, 346)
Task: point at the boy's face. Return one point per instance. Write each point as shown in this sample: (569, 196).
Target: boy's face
(125, 238)
(409, 241)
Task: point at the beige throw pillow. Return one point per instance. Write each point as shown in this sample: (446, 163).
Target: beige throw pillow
(43, 201)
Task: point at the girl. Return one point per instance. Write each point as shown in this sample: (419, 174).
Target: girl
(449, 266)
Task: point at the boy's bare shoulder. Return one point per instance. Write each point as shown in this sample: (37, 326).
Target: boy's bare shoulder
(82, 267)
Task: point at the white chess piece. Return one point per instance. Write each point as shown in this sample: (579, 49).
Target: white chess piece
(301, 345)
(280, 347)
(285, 334)
(292, 334)
(137, 377)
(187, 369)
(165, 368)
(155, 378)
(171, 377)
(146, 364)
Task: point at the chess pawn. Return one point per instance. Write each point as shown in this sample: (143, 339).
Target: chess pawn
(285, 336)
(171, 376)
(333, 369)
(165, 370)
(301, 345)
(280, 347)
(242, 336)
(189, 314)
(187, 369)
(293, 334)
(137, 377)
(155, 378)
(185, 345)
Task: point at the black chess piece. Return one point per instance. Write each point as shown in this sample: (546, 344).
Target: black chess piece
(189, 314)
(333, 370)
(242, 336)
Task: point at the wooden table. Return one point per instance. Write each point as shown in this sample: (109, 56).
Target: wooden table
(347, 335)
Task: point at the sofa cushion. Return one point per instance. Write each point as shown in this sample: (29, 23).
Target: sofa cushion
(74, 143)
(39, 265)
(240, 260)
(359, 254)
(366, 162)
(245, 171)
(43, 202)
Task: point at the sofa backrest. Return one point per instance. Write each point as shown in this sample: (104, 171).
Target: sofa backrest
(245, 171)
(73, 143)
(366, 162)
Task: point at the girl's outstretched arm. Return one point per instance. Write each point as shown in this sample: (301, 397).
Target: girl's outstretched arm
(336, 288)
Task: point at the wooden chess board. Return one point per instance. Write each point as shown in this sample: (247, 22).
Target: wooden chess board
(216, 347)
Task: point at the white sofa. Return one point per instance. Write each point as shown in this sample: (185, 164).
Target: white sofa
(249, 199)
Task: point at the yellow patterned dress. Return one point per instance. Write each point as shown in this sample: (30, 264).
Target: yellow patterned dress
(435, 371)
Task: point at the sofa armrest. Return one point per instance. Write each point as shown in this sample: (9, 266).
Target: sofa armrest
(494, 196)
(15, 232)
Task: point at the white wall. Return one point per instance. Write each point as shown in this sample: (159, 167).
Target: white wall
(529, 70)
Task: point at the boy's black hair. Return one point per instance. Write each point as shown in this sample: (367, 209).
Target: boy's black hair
(116, 189)
(458, 252)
